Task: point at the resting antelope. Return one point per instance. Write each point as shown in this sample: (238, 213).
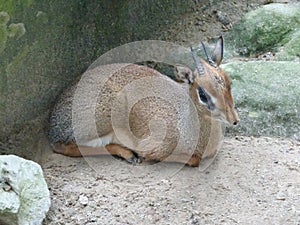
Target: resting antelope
(207, 89)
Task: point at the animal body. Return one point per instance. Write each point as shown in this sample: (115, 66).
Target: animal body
(150, 128)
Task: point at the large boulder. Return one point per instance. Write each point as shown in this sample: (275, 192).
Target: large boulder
(291, 50)
(24, 195)
(266, 29)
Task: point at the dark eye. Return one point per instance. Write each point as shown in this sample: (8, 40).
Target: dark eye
(202, 95)
(206, 99)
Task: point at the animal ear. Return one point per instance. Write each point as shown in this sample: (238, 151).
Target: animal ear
(184, 74)
(217, 54)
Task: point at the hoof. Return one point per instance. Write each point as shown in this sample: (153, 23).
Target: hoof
(134, 160)
(194, 161)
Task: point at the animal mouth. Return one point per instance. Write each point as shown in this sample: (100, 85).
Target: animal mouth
(221, 117)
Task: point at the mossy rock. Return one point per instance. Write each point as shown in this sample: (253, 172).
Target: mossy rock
(4, 18)
(267, 97)
(291, 50)
(265, 29)
(13, 30)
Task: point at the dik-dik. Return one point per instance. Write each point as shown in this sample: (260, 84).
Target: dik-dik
(206, 93)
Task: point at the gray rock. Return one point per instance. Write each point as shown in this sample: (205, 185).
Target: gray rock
(24, 195)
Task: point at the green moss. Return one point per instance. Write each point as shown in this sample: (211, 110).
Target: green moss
(12, 6)
(13, 30)
(4, 18)
(16, 30)
(18, 60)
(291, 50)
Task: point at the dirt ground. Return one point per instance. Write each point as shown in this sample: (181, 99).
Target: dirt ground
(251, 180)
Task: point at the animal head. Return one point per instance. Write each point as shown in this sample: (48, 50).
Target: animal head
(210, 84)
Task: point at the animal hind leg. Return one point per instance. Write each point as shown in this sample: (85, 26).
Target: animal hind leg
(68, 149)
(71, 149)
(124, 153)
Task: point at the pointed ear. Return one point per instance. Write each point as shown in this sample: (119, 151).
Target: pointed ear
(217, 54)
(184, 74)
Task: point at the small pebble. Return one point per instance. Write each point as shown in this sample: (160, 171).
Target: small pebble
(280, 196)
(83, 200)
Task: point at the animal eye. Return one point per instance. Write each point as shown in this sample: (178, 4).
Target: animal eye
(206, 99)
(202, 95)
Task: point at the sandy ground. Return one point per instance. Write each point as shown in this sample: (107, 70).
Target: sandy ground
(251, 181)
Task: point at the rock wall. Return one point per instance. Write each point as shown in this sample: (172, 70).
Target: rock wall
(45, 45)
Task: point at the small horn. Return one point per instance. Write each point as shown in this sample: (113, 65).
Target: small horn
(209, 59)
(197, 62)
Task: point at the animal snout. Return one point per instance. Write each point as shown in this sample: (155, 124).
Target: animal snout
(235, 122)
(233, 118)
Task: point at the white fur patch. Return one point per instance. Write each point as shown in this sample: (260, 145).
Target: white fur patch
(101, 141)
